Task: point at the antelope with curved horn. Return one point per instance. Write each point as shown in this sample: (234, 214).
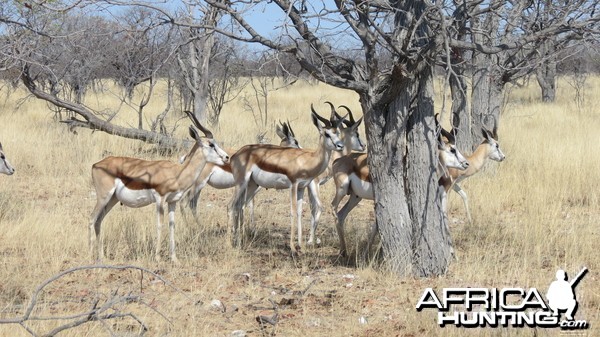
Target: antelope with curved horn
(137, 183)
(350, 136)
(488, 149)
(220, 176)
(351, 177)
(276, 167)
(5, 166)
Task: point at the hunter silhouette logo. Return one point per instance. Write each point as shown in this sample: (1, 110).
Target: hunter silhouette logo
(561, 294)
(515, 307)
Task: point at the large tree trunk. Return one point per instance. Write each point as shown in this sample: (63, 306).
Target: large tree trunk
(487, 97)
(197, 68)
(402, 161)
(461, 115)
(460, 108)
(546, 77)
(487, 83)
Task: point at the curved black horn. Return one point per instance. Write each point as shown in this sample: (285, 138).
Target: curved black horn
(449, 135)
(196, 122)
(290, 128)
(350, 120)
(333, 117)
(286, 129)
(323, 120)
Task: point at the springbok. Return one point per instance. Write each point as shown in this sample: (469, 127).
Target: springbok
(350, 136)
(271, 166)
(137, 183)
(351, 177)
(488, 149)
(5, 166)
(220, 176)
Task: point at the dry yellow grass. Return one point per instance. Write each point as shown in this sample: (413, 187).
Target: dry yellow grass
(534, 213)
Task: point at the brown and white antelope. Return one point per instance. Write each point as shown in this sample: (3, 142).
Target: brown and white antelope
(5, 166)
(488, 149)
(220, 176)
(351, 177)
(350, 136)
(137, 183)
(271, 166)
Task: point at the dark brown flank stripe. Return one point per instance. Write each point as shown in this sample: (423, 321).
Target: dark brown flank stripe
(226, 168)
(360, 168)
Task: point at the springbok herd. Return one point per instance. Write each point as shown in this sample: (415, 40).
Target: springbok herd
(136, 182)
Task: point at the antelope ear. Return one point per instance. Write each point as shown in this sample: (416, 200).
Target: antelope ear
(485, 133)
(339, 122)
(357, 123)
(315, 120)
(440, 142)
(194, 133)
(279, 131)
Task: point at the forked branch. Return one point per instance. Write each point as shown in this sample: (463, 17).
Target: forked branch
(109, 309)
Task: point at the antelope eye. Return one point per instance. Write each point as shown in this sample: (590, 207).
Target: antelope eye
(212, 145)
(327, 135)
(453, 150)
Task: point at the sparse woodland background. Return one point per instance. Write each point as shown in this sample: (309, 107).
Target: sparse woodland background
(533, 213)
(121, 91)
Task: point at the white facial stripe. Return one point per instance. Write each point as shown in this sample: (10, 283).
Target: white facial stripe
(6, 168)
(452, 158)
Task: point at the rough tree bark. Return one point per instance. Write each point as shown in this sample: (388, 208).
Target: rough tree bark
(460, 109)
(487, 83)
(195, 63)
(402, 160)
(487, 97)
(546, 78)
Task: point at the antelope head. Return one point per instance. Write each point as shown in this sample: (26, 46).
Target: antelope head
(491, 138)
(210, 149)
(449, 154)
(288, 138)
(329, 131)
(5, 166)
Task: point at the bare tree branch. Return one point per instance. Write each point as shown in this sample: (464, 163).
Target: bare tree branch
(107, 311)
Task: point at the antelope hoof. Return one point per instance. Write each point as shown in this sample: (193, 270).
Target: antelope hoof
(313, 242)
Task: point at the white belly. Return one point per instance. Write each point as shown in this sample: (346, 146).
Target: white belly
(363, 189)
(133, 198)
(270, 180)
(221, 179)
